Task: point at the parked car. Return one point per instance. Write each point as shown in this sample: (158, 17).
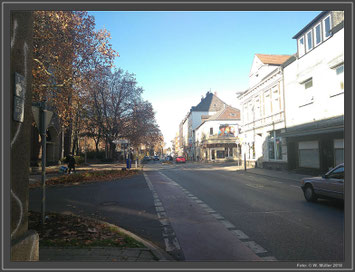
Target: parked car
(330, 185)
(180, 159)
(156, 158)
(146, 159)
(168, 158)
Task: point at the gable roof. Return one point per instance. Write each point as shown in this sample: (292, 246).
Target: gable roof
(210, 103)
(273, 59)
(227, 113)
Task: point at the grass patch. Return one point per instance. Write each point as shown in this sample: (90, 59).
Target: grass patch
(88, 176)
(73, 231)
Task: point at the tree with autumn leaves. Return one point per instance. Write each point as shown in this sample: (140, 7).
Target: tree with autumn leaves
(72, 71)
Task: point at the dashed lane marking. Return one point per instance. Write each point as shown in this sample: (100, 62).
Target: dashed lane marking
(256, 248)
(171, 243)
(241, 235)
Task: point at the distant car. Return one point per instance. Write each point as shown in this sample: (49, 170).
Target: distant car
(146, 158)
(330, 185)
(168, 158)
(156, 158)
(180, 159)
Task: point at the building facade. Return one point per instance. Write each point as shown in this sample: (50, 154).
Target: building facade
(216, 138)
(209, 105)
(314, 96)
(263, 117)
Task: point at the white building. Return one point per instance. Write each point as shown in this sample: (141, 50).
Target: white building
(263, 117)
(216, 137)
(314, 95)
(209, 105)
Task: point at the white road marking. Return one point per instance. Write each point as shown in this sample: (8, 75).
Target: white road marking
(255, 247)
(241, 235)
(217, 216)
(227, 224)
(269, 258)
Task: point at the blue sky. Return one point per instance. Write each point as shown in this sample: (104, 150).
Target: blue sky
(179, 56)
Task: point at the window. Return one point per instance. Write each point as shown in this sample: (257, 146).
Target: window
(338, 151)
(308, 84)
(245, 115)
(340, 75)
(326, 27)
(251, 113)
(317, 33)
(220, 154)
(275, 145)
(337, 173)
(211, 131)
(301, 48)
(257, 111)
(267, 103)
(308, 154)
(309, 40)
(275, 100)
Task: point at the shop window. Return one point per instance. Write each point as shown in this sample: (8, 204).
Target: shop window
(338, 151)
(220, 154)
(275, 145)
(308, 154)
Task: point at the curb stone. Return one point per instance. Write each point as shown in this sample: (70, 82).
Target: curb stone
(157, 251)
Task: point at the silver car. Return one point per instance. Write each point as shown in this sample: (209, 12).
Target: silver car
(330, 185)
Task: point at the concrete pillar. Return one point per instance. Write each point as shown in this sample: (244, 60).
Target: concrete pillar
(24, 243)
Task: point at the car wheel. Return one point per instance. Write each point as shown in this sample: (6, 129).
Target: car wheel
(309, 194)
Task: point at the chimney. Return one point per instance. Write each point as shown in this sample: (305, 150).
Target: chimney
(215, 93)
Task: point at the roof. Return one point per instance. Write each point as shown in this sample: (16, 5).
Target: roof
(210, 103)
(227, 113)
(273, 59)
(315, 20)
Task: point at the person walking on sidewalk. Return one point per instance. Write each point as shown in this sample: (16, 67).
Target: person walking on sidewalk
(71, 163)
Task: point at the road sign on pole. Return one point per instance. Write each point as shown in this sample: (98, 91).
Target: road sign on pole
(42, 118)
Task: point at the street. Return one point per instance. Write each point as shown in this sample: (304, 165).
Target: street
(201, 211)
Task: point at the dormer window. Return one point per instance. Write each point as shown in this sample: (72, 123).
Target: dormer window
(317, 34)
(309, 40)
(301, 48)
(326, 27)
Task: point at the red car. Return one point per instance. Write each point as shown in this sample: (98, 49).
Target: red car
(180, 159)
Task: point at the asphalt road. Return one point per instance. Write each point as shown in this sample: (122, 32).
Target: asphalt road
(269, 215)
(271, 211)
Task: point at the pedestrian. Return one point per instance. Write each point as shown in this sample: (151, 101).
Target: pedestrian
(71, 163)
